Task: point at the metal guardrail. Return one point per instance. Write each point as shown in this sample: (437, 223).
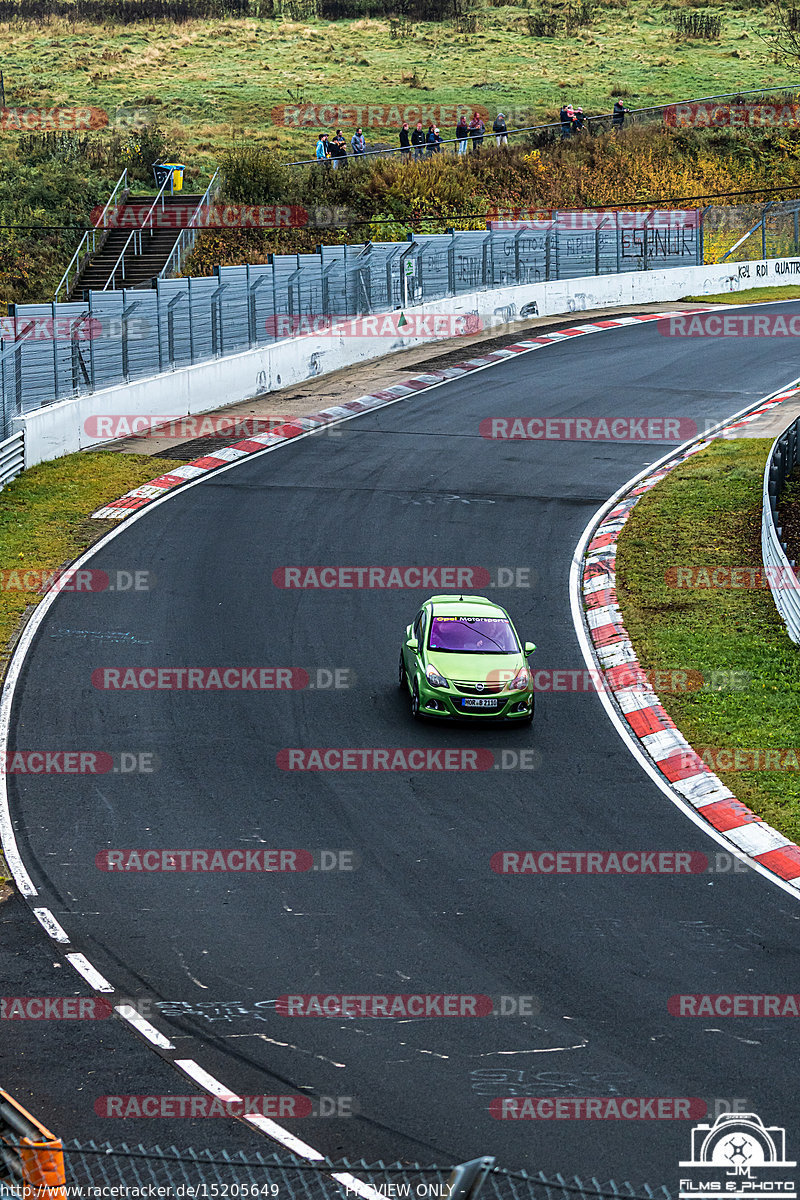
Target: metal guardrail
(117, 336)
(632, 116)
(188, 236)
(785, 588)
(12, 458)
(103, 1165)
(135, 237)
(89, 242)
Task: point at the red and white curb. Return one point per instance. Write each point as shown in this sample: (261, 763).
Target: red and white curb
(678, 765)
(139, 497)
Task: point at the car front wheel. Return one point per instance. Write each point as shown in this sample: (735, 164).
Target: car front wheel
(401, 679)
(415, 701)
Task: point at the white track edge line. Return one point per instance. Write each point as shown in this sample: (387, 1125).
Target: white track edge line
(92, 976)
(51, 926)
(128, 1013)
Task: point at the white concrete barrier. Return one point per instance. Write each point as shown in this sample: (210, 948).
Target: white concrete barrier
(61, 428)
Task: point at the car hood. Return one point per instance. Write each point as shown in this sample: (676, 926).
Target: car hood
(476, 668)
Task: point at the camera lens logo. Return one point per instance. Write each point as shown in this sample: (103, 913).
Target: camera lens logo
(736, 1156)
(741, 1150)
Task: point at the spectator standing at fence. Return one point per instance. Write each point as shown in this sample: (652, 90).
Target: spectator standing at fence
(358, 143)
(405, 142)
(499, 129)
(462, 133)
(618, 115)
(476, 130)
(433, 140)
(418, 140)
(323, 149)
(339, 150)
(565, 117)
(578, 121)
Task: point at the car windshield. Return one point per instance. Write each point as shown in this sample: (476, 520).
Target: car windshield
(473, 635)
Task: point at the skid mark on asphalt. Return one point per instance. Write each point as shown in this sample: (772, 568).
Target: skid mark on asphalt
(552, 1050)
(111, 635)
(286, 1045)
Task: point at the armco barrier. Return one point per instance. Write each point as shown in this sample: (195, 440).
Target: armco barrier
(783, 458)
(12, 458)
(60, 428)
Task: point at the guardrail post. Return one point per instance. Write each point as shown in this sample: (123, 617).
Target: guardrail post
(252, 331)
(91, 343)
(171, 326)
(467, 1178)
(597, 245)
(701, 235)
(517, 237)
(55, 353)
(217, 330)
(127, 309)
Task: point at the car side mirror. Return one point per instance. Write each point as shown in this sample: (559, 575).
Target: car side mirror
(529, 648)
(412, 643)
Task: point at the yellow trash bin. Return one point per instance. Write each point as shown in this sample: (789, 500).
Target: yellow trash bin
(163, 171)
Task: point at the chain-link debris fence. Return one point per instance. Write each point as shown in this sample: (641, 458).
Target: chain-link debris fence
(91, 1170)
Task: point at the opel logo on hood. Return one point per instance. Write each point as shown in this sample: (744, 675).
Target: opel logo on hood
(478, 687)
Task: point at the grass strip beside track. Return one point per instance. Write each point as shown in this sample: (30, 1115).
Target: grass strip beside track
(45, 524)
(45, 520)
(753, 296)
(707, 513)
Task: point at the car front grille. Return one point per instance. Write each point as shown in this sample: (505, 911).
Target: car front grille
(490, 688)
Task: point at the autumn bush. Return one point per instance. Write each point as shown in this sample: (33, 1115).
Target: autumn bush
(387, 198)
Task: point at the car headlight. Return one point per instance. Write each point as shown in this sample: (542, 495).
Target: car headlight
(521, 680)
(435, 679)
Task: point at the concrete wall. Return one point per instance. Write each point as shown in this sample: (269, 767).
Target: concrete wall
(61, 428)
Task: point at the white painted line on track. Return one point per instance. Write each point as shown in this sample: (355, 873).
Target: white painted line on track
(50, 925)
(92, 976)
(129, 1014)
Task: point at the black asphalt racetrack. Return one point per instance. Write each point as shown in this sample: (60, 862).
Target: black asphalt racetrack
(411, 484)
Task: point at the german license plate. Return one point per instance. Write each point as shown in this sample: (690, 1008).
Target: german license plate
(478, 702)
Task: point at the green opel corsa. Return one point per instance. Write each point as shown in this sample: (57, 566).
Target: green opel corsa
(462, 658)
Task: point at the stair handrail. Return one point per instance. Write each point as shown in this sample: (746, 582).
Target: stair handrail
(136, 235)
(121, 185)
(188, 236)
